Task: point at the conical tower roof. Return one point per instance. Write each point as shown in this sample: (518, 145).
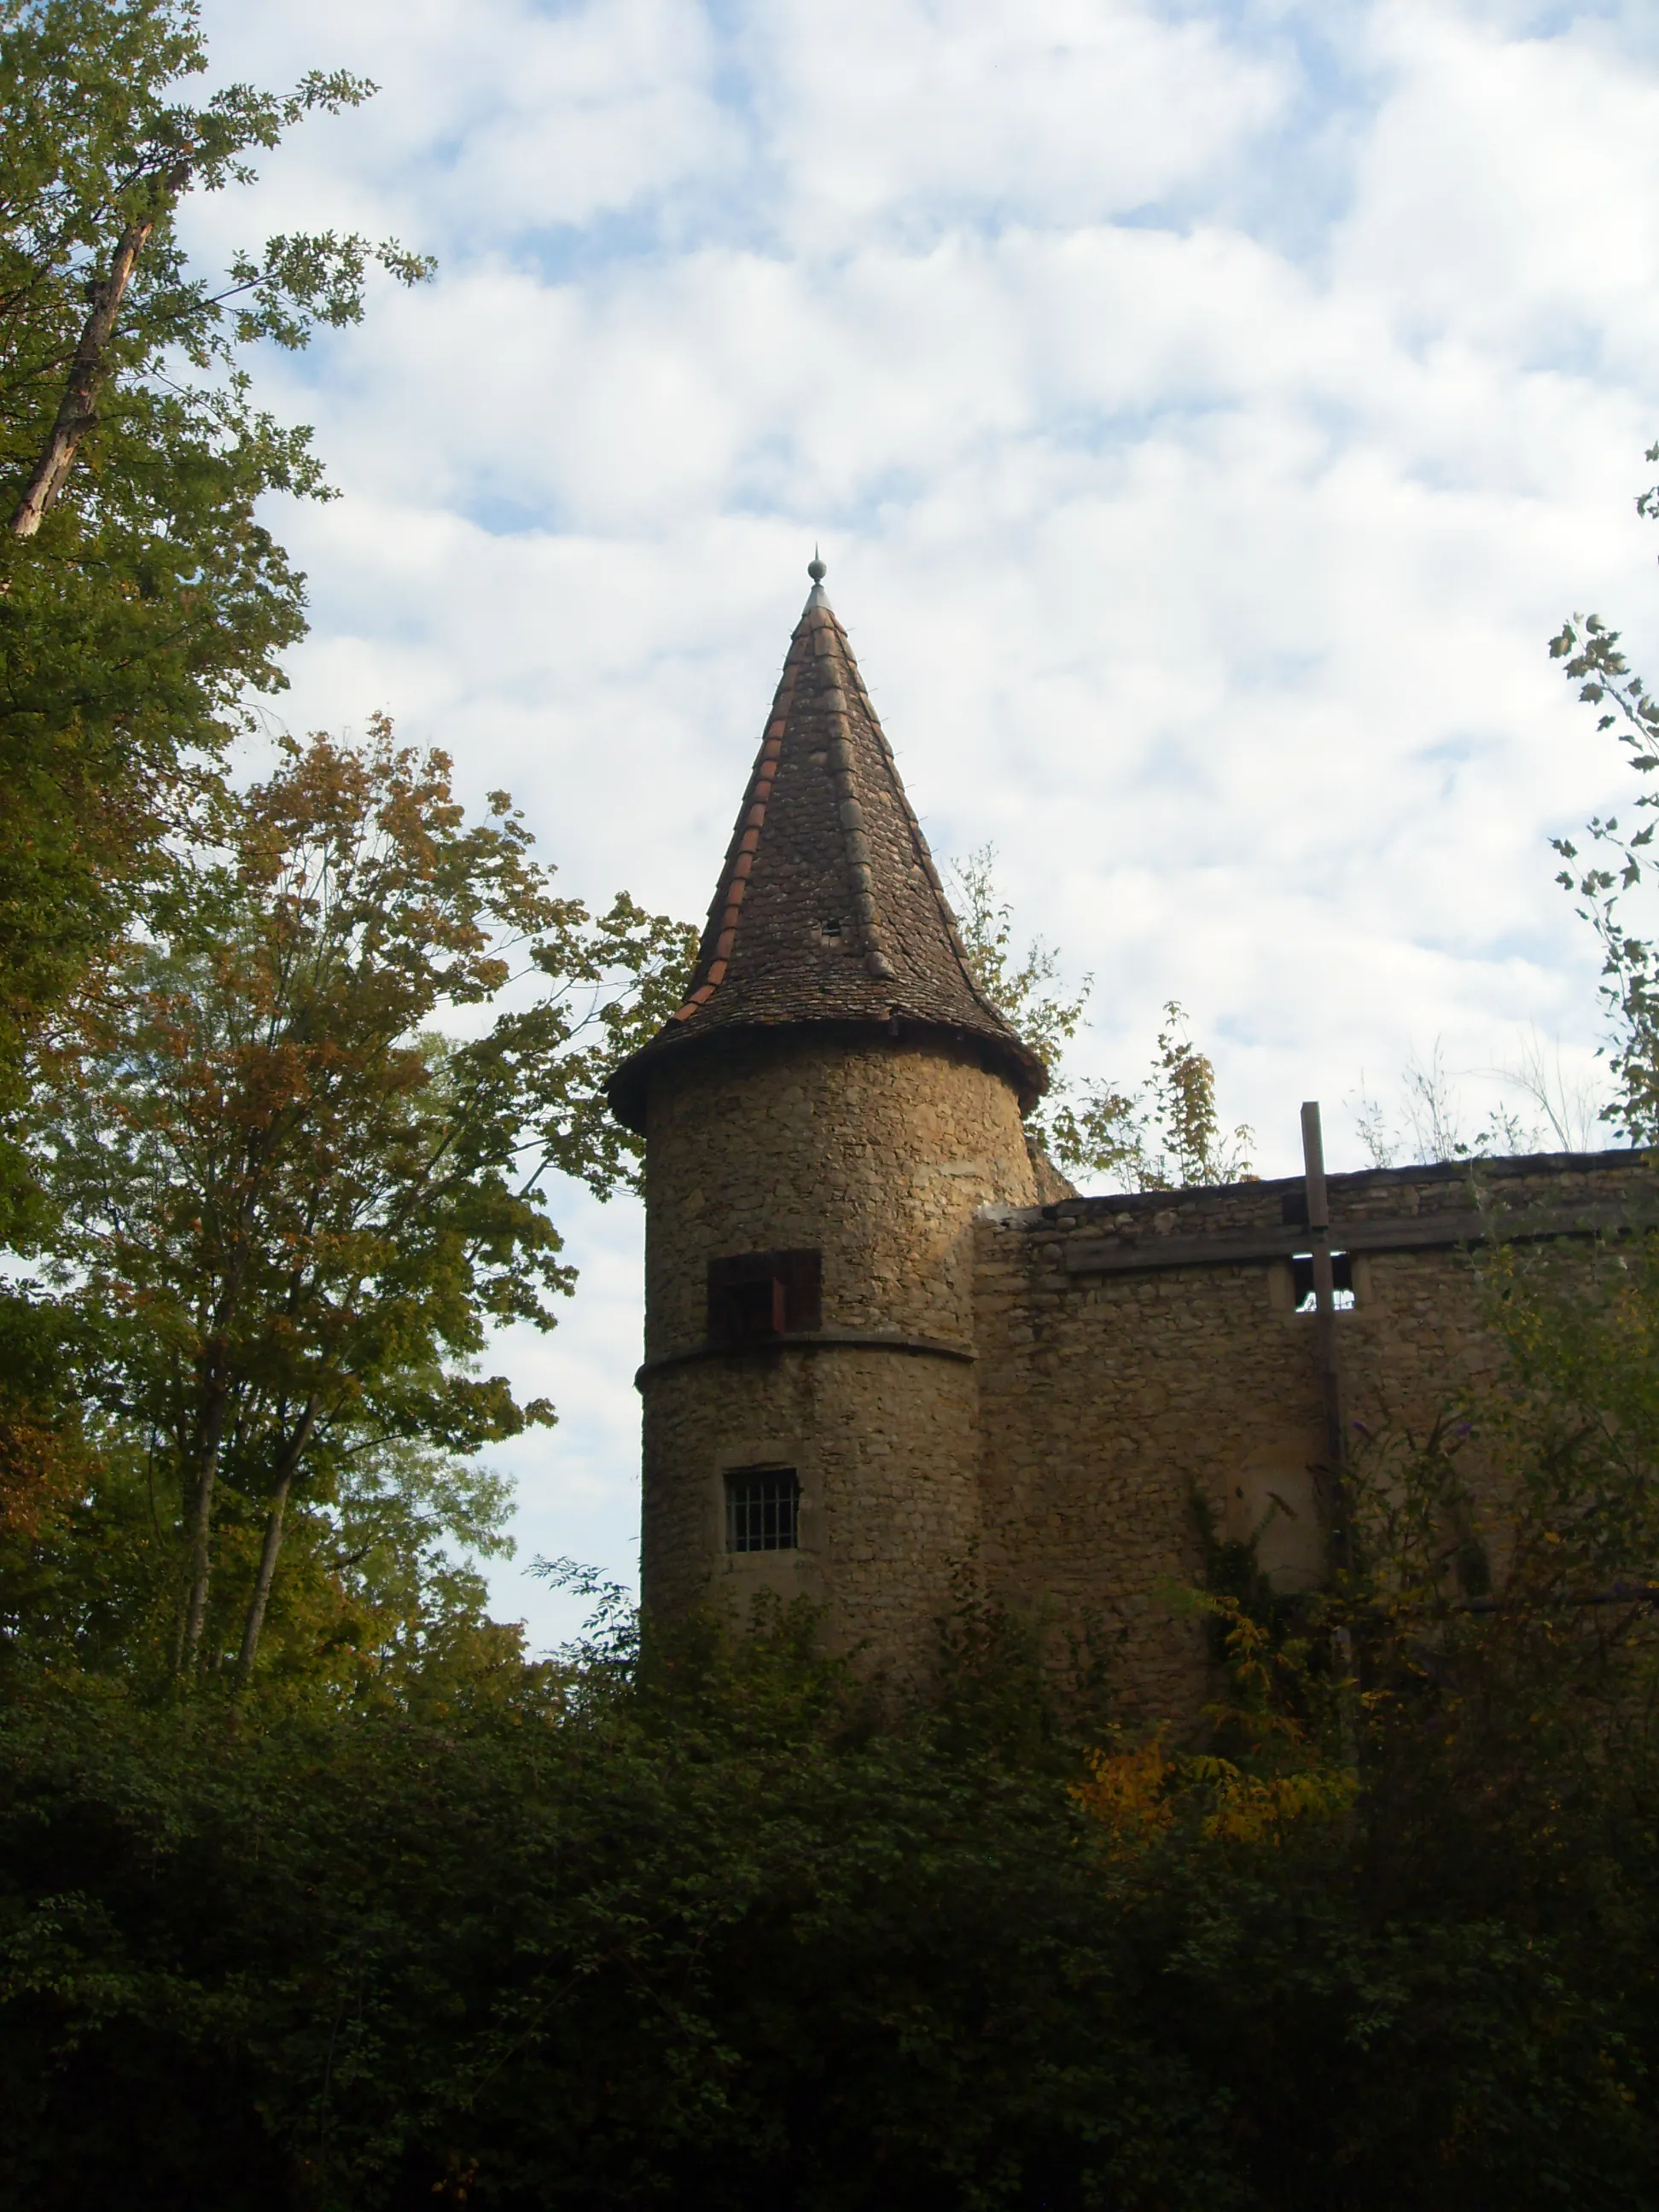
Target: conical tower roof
(828, 907)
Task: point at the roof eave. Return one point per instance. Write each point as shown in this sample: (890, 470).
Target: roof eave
(627, 1085)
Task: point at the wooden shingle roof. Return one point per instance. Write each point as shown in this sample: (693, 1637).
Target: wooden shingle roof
(828, 907)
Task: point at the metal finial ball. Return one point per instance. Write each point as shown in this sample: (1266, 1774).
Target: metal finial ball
(816, 569)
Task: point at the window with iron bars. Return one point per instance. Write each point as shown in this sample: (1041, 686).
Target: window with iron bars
(763, 1509)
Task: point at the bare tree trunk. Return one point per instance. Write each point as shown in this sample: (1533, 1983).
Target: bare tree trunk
(272, 1546)
(201, 1530)
(209, 1436)
(76, 413)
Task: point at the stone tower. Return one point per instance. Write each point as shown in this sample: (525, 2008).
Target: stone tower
(824, 1118)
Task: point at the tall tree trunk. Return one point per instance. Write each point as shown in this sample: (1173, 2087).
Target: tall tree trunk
(209, 1436)
(272, 1546)
(75, 411)
(201, 1528)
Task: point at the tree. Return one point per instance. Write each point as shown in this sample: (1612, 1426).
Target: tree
(1630, 957)
(291, 1210)
(1165, 1134)
(141, 599)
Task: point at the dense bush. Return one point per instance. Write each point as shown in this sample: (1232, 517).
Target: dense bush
(705, 1931)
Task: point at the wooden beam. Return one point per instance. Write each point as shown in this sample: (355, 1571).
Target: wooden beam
(1325, 1354)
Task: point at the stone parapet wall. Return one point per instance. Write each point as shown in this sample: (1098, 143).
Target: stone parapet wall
(1553, 1179)
(1113, 1387)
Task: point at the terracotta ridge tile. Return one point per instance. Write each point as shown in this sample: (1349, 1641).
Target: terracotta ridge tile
(860, 878)
(917, 837)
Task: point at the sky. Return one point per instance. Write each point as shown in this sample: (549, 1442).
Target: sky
(1207, 414)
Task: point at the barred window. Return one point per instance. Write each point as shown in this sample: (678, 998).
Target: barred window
(763, 1509)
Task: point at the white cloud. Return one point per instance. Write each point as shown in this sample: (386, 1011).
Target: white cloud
(1207, 413)
(882, 116)
(1509, 190)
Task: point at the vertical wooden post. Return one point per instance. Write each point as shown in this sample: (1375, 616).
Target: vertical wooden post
(1330, 1391)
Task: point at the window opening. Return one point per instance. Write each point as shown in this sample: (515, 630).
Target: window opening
(829, 930)
(763, 1509)
(1302, 1277)
(757, 1310)
(756, 1295)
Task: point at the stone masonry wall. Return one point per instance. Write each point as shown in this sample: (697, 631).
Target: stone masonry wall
(885, 1448)
(1107, 1398)
(879, 1152)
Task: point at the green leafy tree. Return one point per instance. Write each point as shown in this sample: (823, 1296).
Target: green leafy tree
(1166, 1132)
(291, 1210)
(141, 599)
(1021, 986)
(1171, 1129)
(1620, 862)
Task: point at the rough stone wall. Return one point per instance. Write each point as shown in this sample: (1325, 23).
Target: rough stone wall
(1107, 1398)
(879, 1152)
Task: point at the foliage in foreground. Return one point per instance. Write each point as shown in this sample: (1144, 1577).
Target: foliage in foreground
(703, 1924)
